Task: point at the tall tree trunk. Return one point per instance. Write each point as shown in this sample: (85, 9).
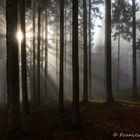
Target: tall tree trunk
(119, 59)
(57, 44)
(41, 54)
(42, 41)
(38, 55)
(75, 64)
(30, 73)
(108, 51)
(12, 67)
(90, 91)
(134, 92)
(85, 83)
(61, 77)
(34, 58)
(25, 103)
(65, 48)
(57, 32)
(46, 50)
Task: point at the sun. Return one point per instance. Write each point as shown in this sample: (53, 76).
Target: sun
(19, 36)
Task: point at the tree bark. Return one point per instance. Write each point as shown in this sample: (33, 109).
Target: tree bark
(134, 92)
(65, 49)
(61, 77)
(119, 39)
(85, 83)
(34, 56)
(75, 64)
(25, 104)
(108, 51)
(38, 55)
(46, 50)
(12, 67)
(90, 90)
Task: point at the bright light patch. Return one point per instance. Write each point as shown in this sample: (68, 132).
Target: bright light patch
(19, 36)
(44, 34)
(28, 35)
(50, 33)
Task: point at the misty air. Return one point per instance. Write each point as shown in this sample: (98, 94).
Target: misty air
(69, 69)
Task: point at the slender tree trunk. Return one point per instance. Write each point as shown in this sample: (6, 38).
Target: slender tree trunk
(134, 93)
(57, 45)
(12, 67)
(42, 41)
(46, 50)
(25, 103)
(119, 59)
(41, 54)
(34, 58)
(57, 53)
(75, 64)
(30, 73)
(38, 55)
(61, 78)
(108, 51)
(90, 91)
(65, 49)
(85, 83)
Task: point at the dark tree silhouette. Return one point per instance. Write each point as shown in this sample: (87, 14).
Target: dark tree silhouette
(134, 93)
(46, 47)
(12, 67)
(75, 63)
(23, 59)
(34, 96)
(108, 51)
(89, 67)
(85, 86)
(61, 78)
(38, 54)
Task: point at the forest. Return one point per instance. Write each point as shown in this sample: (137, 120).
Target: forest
(69, 69)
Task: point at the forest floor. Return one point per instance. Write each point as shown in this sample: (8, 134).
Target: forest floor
(99, 121)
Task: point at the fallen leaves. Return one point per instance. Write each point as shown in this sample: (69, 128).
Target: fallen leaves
(98, 122)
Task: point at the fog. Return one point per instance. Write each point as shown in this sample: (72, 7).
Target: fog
(98, 62)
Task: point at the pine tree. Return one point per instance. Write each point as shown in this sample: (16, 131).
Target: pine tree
(85, 82)
(108, 51)
(75, 64)
(23, 59)
(89, 67)
(61, 78)
(34, 56)
(38, 54)
(134, 93)
(12, 68)
(46, 48)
